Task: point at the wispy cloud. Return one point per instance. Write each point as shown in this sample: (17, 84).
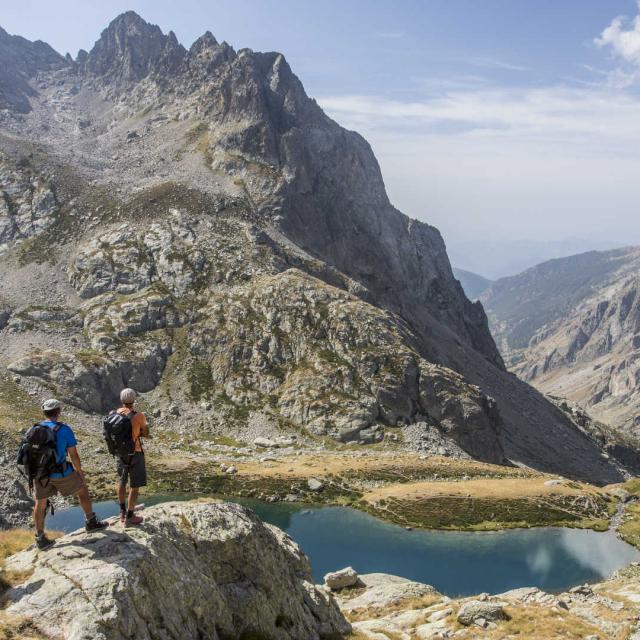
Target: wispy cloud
(552, 113)
(494, 63)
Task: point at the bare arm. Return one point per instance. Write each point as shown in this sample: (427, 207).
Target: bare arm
(144, 428)
(75, 459)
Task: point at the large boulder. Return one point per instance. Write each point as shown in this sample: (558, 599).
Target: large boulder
(384, 591)
(341, 579)
(481, 612)
(15, 502)
(194, 570)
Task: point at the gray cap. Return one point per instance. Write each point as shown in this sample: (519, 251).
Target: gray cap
(128, 396)
(51, 404)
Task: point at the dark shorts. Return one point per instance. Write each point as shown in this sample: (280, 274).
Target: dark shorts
(132, 470)
(67, 486)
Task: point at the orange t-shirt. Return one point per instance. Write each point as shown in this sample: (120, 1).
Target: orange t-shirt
(139, 426)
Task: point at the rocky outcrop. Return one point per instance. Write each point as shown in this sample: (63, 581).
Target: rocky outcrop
(15, 502)
(236, 578)
(380, 591)
(27, 202)
(91, 380)
(334, 364)
(417, 611)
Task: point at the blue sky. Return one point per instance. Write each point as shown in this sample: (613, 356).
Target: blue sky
(495, 120)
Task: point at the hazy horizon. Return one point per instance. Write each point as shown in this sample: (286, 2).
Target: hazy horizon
(500, 123)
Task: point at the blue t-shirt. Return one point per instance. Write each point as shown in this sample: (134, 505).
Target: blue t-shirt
(64, 440)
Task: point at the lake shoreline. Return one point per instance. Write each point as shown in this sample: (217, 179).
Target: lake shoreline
(431, 494)
(457, 563)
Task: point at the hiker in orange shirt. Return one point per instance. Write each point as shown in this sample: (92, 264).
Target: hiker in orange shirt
(130, 460)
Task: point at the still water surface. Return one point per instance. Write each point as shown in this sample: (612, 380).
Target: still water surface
(455, 563)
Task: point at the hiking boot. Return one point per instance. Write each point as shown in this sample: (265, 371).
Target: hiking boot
(93, 524)
(123, 516)
(133, 521)
(42, 542)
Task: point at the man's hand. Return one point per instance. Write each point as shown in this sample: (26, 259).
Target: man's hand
(75, 460)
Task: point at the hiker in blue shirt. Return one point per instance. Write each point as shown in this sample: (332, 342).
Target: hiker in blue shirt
(64, 478)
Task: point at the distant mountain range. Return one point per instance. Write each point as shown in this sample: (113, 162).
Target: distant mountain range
(506, 257)
(472, 283)
(571, 327)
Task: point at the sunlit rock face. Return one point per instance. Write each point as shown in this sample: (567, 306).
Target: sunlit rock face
(237, 578)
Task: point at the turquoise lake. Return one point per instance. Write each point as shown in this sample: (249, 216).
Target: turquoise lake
(455, 563)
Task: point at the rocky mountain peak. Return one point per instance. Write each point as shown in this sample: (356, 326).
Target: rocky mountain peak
(206, 41)
(206, 54)
(130, 49)
(21, 60)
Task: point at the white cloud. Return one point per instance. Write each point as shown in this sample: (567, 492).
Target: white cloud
(623, 37)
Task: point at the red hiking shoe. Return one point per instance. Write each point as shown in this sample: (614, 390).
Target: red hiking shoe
(133, 521)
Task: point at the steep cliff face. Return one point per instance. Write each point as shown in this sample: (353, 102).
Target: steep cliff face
(211, 214)
(571, 327)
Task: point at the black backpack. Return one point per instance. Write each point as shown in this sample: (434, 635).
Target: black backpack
(117, 432)
(38, 454)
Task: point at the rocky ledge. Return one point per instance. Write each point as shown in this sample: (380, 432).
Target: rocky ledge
(381, 606)
(196, 570)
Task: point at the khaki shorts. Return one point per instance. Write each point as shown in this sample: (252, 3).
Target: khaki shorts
(67, 486)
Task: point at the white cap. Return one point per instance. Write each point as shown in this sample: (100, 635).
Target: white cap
(128, 396)
(51, 404)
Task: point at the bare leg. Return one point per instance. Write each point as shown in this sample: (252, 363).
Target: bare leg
(85, 501)
(39, 513)
(133, 498)
(121, 490)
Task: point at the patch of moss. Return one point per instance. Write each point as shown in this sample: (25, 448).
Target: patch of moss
(484, 514)
(201, 382)
(18, 410)
(629, 530)
(91, 358)
(331, 357)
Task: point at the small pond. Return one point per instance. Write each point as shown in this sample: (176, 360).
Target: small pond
(455, 563)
